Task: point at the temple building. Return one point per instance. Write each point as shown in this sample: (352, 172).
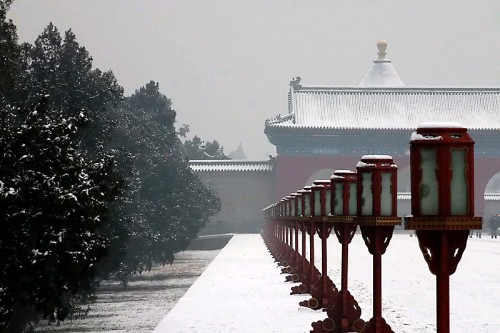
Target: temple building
(330, 128)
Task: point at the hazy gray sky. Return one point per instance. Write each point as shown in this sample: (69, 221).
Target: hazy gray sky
(226, 64)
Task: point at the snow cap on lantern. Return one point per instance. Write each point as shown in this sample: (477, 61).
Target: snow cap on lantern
(377, 186)
(343, 202)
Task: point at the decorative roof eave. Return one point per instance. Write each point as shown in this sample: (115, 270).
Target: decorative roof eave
(325, 130)
(272, 129)
(492, 196)
(329, 129)
(400, 90)
(232, 165)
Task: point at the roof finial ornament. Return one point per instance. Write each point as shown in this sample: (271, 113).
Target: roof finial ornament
(382, 46)
(295, 83)
(381, 72)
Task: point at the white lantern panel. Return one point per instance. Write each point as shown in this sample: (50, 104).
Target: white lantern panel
(339, 200)
(386, 195)
(317, 203)
(353, 202)
(366, 194)
(328, 202)
(429, 204)
(307, 204)
(459, 194)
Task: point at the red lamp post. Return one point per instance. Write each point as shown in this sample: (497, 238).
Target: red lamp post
(274, 232)
(306, 215)
(296, 259)
(344, 313)
(289, 223)
(276, 241)
(282, 232)
(302, 262)
(268, 233)
(377, 216)
(314, 274)
(324, 290)
(442, 203)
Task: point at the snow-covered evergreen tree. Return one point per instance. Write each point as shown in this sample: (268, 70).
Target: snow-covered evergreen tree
(166, 201)
(62, 68)
(53, 201)
(70, 149)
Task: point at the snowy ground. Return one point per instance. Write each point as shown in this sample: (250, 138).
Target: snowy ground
(242, 290)
(140, 306)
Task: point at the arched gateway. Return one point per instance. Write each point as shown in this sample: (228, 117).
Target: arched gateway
(329, 128)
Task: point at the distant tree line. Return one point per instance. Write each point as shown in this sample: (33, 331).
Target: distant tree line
(197, 149)
(92, 184)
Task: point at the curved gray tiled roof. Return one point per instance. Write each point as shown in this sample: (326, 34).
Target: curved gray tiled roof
(230, 165)
(391, 108)
(381, 101)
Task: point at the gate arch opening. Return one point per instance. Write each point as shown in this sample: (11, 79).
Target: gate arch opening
(492, 198)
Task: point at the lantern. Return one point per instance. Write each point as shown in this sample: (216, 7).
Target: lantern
(271, 211)
(343, 199)
(293, 205)
(306, 201)
(316, 199)
(343, 311)
(323, 199)
(285, 207)
(442, 169)
(442, 203)
(376, 216)
(377, 188)
(298, 203)
(280, 208)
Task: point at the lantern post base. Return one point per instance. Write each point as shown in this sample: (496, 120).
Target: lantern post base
(307, 283)
(344, 313)
(377, 325)
(442, 250)
(304, 278)
(323, 294)
(324, 291)
(343, 316)
(377, 233)
(442, 241)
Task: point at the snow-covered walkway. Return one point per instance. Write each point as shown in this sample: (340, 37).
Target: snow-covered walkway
(240, 291)
(243, 291)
